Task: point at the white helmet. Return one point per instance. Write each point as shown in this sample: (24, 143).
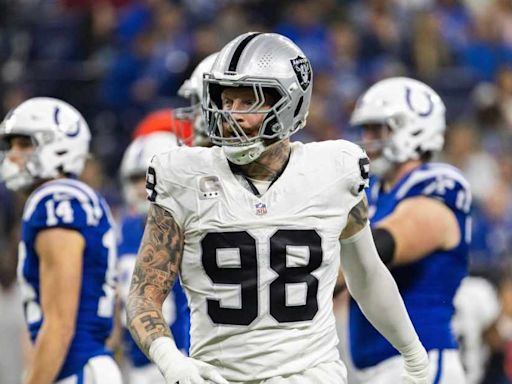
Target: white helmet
(414, 113)
(262, 62)
(192, 89)
(135, 163)
(60, 136)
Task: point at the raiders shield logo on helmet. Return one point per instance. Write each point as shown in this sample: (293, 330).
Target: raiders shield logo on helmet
(302, 70)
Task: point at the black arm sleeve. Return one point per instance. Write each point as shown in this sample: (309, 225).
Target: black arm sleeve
(385, 244)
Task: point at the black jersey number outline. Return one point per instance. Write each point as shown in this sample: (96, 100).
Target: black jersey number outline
(151, 183)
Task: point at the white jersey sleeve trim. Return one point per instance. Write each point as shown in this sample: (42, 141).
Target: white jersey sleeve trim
(87, 190)
(92, 209)
(437, 171)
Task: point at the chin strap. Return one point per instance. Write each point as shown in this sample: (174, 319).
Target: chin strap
(242, 155)
(245, 154)
(14, 177)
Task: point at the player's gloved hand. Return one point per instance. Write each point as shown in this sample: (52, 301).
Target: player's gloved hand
(208, 372)
(416, 365)
(179, 369)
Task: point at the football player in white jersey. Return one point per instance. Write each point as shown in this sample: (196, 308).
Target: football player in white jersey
(420, 215)
(477, 309)
(255, 227)
(67, 252)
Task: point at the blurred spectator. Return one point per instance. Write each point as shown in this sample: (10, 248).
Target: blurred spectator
(504, 82)
(429, 51)
(345, 74)
(488, 115)
(454, 22)
(463, 151)
(492, 230)
(303, 24)
(381, 40)
(502, 18)
(122, 84)
(484, 52)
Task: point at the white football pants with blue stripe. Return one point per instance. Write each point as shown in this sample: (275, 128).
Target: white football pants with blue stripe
(445, 368)
(98, 370)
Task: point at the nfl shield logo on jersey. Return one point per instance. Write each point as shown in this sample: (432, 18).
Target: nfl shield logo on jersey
(261, 209)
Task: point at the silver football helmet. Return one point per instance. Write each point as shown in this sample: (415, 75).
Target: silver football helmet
(266, 63)
(192, 89)
(414, 114)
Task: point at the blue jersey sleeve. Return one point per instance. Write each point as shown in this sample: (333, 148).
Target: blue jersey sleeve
(439, 181)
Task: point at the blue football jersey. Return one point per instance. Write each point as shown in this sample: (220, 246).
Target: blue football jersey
(71, 204)
(427, 286)
(175, 308)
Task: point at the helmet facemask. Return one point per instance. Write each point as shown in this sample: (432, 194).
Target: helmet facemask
(192, 90)
(240, 146)
(135, 163)
(191, 114)
(135, 193)
(392, 145)
(21, 177)
(377, 143)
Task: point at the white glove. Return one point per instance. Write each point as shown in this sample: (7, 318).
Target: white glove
(416, 365)
(179, 369)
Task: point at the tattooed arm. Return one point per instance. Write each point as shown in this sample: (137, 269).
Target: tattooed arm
(154, 275)
(156, 269)
(357, 219)
(370, 283)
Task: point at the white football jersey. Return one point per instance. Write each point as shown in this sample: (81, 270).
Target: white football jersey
(259, 272)
(477, 307)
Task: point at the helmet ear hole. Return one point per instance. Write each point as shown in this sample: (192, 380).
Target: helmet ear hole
(425, 155)
(272, 125)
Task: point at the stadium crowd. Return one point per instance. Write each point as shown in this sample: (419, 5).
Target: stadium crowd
(118, 60)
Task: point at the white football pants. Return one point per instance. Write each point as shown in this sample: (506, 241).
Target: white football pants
(326, 373)
(98, 370)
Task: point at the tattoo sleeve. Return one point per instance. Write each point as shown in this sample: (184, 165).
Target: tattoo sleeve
(357, 219)
(155, 272)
